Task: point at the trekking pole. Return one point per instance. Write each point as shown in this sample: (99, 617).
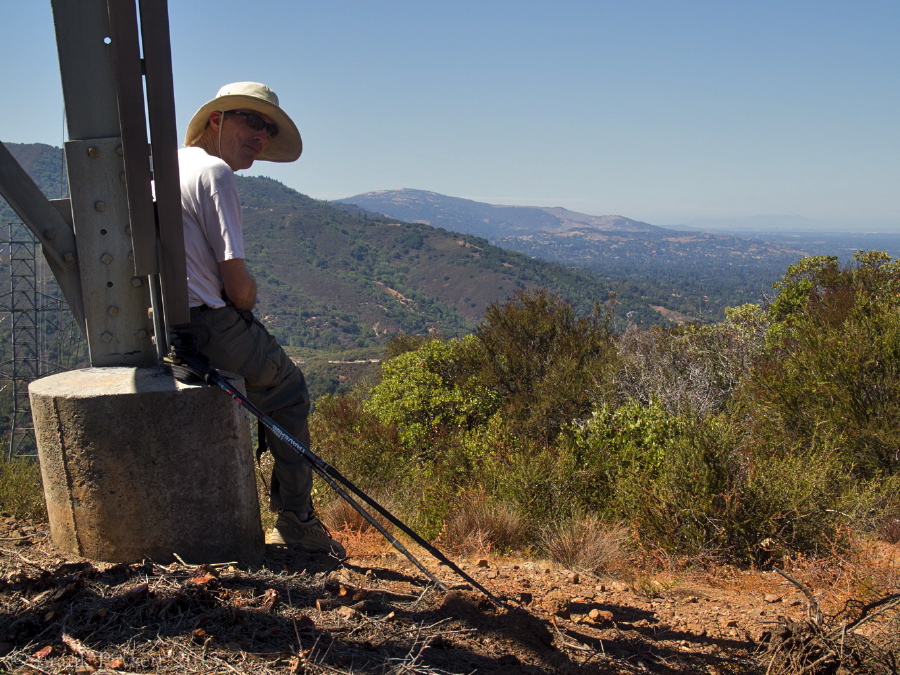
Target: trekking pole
(192, 362)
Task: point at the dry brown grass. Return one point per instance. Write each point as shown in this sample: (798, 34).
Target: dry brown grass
(340, 516)
(356, 533)
(21, 494)
(585, 544)
(482, 527)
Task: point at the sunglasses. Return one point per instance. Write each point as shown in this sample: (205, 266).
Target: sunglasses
(256, 122)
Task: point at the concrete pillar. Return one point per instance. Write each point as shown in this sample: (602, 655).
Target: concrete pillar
(138, 466)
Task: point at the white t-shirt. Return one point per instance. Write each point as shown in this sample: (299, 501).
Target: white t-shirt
(212, 223)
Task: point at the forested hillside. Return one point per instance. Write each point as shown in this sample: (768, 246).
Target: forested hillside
(45, 165)
(339, 278)
(328, 277)
(697, 274)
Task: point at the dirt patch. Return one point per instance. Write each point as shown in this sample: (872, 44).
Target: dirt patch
(376, 613)
(675, 317)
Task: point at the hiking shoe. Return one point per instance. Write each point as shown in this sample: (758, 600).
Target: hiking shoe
(310, 535)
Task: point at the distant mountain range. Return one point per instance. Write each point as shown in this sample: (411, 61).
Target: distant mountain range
(334, 277)
(354, 273)
(488, 220)
(702, 272)
(560, 234)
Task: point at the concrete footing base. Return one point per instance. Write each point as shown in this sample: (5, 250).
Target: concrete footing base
(138, 466)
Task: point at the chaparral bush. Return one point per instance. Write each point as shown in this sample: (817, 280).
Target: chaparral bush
(832, 370)
(548, 364)
(770, 432)
(425, 395)
(691, 368)
(665, 474)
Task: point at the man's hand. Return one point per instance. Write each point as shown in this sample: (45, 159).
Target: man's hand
(240, 286)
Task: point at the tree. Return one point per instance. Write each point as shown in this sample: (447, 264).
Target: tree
(549, 365)
(832, 369)
(424, 394)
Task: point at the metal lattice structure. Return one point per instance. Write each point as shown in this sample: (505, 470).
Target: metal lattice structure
(40, 335)
(124, 203)
(124, 198)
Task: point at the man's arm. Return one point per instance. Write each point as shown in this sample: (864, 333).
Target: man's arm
(240, 286)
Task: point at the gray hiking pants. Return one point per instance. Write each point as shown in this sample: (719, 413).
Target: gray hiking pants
(237, 343)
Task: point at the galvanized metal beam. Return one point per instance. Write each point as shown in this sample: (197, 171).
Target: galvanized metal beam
(164, 142)
(116, 299)
(27, 200)
(48, 224)
(125, 239)
(130, 95)
(84, 42)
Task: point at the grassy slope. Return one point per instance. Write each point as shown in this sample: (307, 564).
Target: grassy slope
(331, 278)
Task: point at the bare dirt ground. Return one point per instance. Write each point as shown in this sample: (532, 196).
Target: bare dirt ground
(376, 613)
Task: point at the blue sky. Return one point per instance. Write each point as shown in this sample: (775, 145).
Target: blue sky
(662, 111)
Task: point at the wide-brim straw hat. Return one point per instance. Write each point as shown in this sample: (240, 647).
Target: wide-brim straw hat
(285, 147)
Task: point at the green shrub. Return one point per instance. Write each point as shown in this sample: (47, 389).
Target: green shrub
(355, 442)
(873, 507)
(685, 483)
(769, 433)
(423, 481)
(790, 502)
(547, 364)
(532, 477)
(832, 369)
(660, 472)
(425, 395)
(405, 343)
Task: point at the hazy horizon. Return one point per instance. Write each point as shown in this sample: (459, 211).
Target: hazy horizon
(664, 112)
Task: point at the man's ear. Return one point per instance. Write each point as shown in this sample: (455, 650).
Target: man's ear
(215, 119)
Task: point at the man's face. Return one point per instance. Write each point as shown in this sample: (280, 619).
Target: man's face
(241, 143)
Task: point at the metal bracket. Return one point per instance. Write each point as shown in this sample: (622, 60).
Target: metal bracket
(51, 224)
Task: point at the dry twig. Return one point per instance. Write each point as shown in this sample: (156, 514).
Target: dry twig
(813, 607)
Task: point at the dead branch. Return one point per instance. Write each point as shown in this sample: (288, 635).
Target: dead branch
(80, 650)
(814, 608)
(883, 605)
